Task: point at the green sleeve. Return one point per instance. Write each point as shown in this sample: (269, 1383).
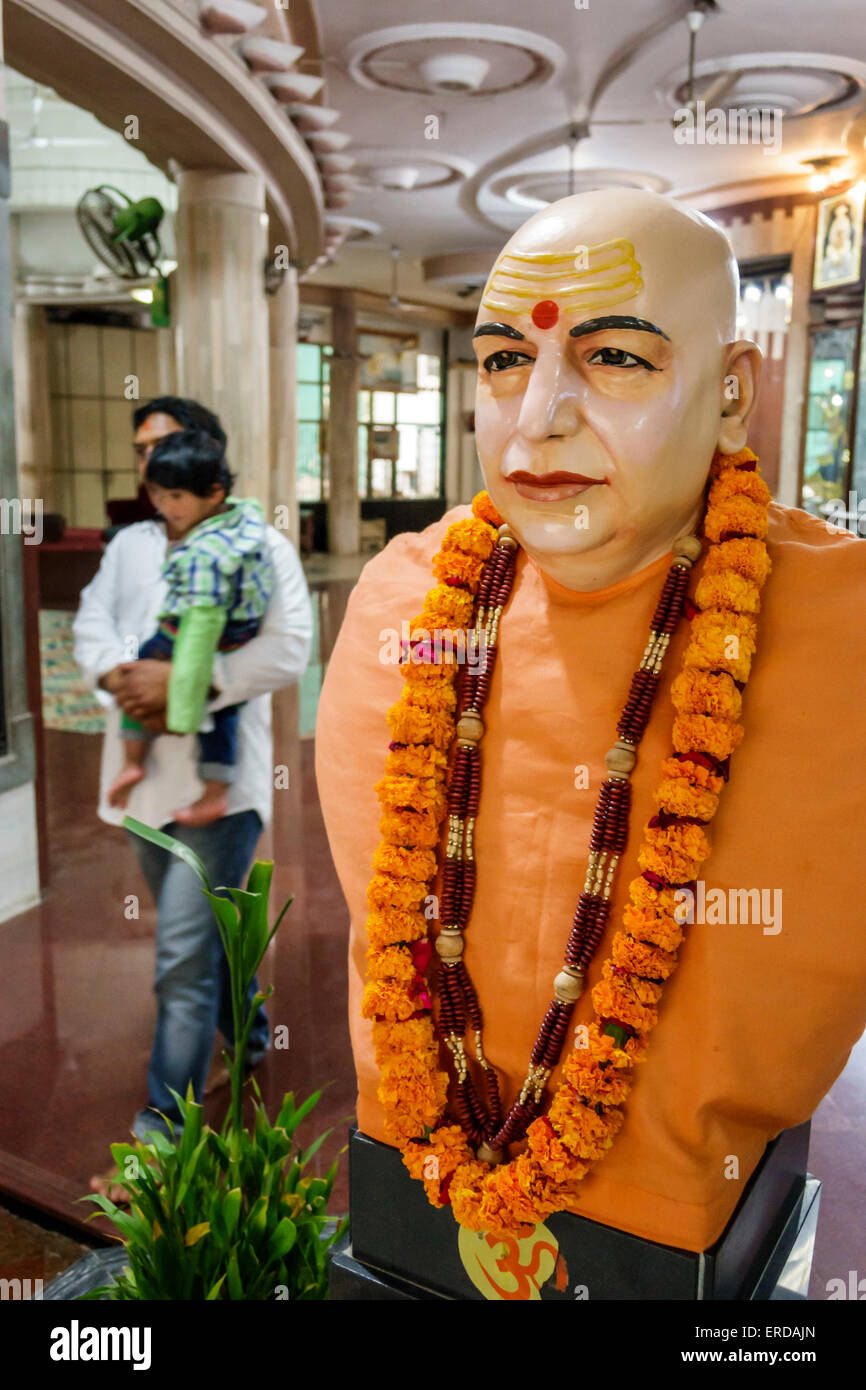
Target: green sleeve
(191, 667)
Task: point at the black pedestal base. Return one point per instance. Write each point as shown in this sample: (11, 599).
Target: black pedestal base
(402, 1248)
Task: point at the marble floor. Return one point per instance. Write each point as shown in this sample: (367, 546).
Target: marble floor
(76, 1008)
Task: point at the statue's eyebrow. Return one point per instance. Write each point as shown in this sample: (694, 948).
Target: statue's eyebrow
(498, 330)
(617, 321)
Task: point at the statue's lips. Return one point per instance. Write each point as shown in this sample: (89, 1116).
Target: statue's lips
(551, 487)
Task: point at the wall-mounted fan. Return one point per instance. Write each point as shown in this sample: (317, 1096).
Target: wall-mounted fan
(122, 233)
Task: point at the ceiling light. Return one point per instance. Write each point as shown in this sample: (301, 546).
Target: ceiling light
(397, 176)
(143, 295)
(454, 72)
(826, 169)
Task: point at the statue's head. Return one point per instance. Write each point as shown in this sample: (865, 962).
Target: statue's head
(607, 353)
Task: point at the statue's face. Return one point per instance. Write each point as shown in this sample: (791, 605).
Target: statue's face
(601, 369)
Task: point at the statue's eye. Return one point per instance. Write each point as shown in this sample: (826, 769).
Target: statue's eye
(501, 361)
(618, 357)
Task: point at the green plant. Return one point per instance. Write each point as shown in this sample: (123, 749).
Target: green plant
(230, 1215)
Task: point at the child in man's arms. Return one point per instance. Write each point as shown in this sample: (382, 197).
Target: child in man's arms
(219, 577)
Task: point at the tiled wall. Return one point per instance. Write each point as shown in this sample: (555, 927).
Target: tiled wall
(91, 417)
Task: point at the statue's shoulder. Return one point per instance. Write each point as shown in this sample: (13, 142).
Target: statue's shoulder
(804, 547)
(402, 572)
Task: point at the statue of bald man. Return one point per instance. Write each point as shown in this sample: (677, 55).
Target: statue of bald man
(609, 378)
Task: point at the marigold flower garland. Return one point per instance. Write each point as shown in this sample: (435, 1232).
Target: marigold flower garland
(585, 1113)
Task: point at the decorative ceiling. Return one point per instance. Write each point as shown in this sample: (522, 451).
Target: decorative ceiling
(438, 137)
(557, 98)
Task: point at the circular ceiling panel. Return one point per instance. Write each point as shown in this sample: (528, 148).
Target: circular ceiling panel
(537, 188)
(407, 171)
(798, 84)
(437, 59)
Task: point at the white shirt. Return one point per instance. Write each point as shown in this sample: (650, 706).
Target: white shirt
(119, 610)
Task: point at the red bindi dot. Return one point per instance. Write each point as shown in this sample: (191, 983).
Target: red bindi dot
(545, 314)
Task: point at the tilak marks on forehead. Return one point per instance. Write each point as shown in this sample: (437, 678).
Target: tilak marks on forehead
(548, 283)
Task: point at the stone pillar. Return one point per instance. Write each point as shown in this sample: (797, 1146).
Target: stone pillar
(283, 327)
(283, 332)
(344, 509)
(33, 405)
(221, 314)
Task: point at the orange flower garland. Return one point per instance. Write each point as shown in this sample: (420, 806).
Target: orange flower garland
(585, 1113)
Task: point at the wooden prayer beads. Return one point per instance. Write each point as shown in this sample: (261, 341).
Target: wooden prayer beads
(459, 1006)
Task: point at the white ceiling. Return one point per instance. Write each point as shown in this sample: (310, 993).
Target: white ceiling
(486, 134)
(484, 139)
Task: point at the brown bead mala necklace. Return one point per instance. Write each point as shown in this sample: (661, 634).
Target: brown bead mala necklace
(484, 1124)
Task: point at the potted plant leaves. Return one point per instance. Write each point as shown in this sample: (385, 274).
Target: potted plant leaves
(234, 1214)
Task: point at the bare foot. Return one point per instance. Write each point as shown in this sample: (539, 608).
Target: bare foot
(106, 1184)
(119, 791)
(208, 808)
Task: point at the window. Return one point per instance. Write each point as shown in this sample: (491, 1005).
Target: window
(400, 437)
(313, 370)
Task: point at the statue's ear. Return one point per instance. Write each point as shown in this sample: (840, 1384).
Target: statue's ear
(739, 391)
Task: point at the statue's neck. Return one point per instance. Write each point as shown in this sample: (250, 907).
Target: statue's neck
(612, 564)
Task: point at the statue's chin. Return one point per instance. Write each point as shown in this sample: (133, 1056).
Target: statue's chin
(554, 534)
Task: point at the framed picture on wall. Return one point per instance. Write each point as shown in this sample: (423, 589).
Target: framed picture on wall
(839, 239)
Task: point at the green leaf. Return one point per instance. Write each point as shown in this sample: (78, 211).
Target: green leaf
(233, 1278)
(283, 1239)
(193, 1116)
(259, 878)
(309, 1104)
(231, 1210)
(228, 919)
(618, 1033)
(175, 847)
(253, 910)
(131, 1227)
(188, 1170)
(314, 1147)
(257, 1220)
(214, 1290)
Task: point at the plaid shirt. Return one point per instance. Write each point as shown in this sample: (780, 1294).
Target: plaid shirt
(224, 562)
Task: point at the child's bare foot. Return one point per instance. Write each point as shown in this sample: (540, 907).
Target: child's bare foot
(123, 784)
(210, 807)
(107, 1185)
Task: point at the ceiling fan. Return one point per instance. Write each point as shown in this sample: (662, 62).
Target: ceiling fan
(699, 11)
(394, 300)
(32, 140)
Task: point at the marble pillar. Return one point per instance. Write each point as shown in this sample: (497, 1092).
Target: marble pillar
(221, 314)
(33, 434)
(283, 332)
(344, 508)
(283, 329)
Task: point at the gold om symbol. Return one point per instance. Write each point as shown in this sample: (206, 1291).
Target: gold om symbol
(510, 1269)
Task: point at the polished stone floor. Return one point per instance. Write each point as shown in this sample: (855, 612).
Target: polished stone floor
(76, 1009)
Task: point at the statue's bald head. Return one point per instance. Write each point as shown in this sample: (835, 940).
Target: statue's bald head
(680, 261)
(606, 349)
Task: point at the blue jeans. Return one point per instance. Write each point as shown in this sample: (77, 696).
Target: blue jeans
(192, 980)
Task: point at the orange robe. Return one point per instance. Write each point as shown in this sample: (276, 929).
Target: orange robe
(754, 1025)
